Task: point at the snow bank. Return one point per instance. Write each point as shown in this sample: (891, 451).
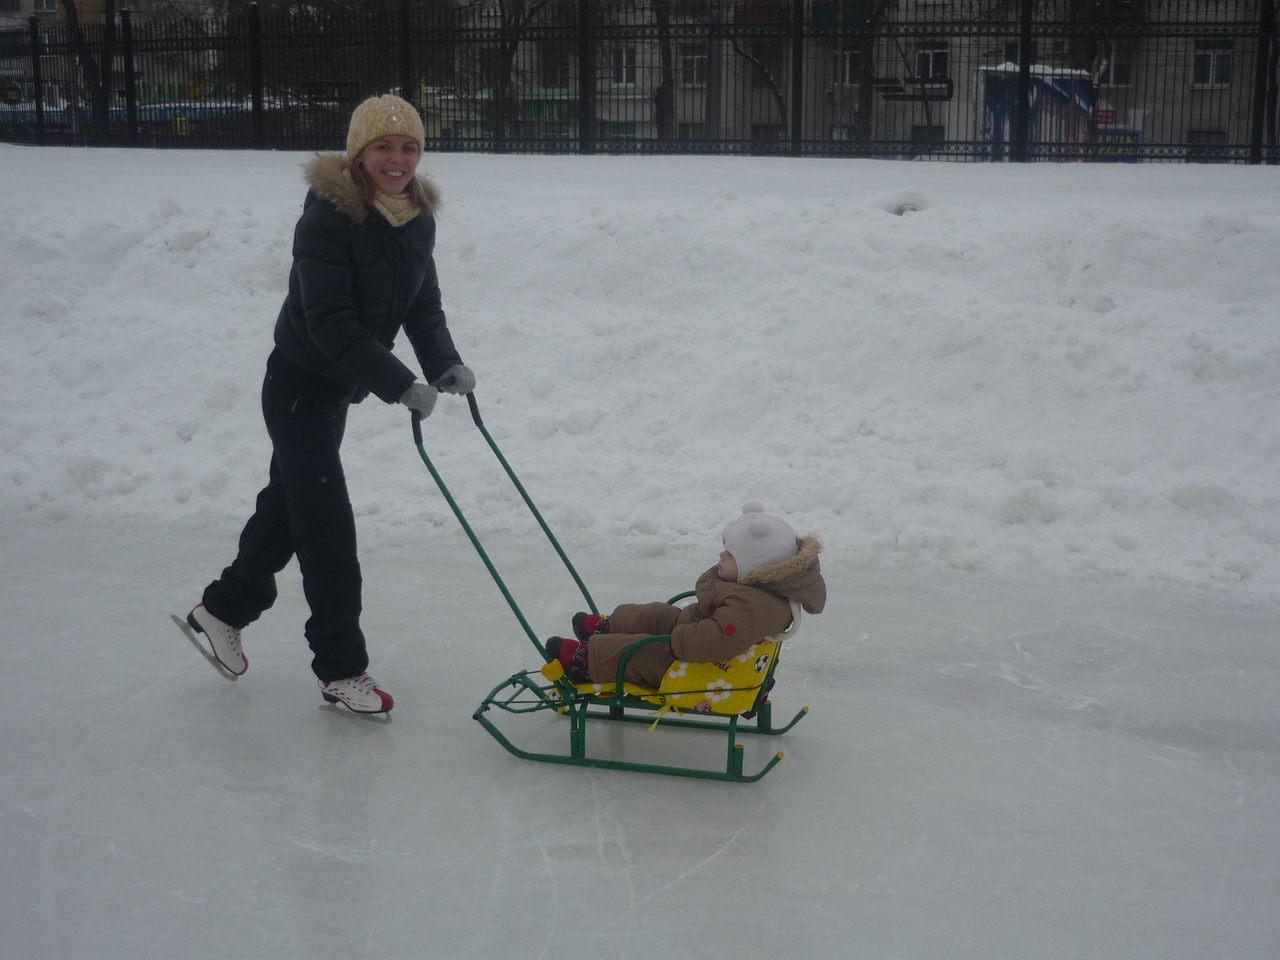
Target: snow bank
(1047, 372)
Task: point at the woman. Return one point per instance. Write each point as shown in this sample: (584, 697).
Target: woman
(362, 270)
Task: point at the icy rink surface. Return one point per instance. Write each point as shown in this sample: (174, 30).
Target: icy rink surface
(983, 775)
(1036, 423)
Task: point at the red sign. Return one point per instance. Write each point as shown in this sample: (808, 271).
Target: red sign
(1105, 116)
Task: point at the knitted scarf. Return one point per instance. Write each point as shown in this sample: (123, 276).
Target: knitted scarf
(398, 210)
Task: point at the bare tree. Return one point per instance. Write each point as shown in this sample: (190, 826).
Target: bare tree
(765, 74)
(97, 71)
(865, 71)
(664, 95)
(514, 19)
(1272, 96)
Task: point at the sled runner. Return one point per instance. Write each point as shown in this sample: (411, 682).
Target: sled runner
(708, 697)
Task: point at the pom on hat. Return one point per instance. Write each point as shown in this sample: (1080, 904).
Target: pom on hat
(382, 117)
(757, 540)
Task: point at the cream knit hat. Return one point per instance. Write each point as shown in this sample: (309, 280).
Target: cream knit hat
(757, 540)
(381, 117)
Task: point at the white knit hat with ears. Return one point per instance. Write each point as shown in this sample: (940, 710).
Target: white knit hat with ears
(381, 117)
(757, 540)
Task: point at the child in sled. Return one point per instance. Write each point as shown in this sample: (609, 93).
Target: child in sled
(740, 601)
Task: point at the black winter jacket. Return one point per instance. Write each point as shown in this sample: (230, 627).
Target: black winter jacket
(356, 280)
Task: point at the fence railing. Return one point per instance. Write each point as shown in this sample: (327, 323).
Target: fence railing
(971, 79)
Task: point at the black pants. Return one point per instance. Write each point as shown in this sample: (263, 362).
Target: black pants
(304, 510)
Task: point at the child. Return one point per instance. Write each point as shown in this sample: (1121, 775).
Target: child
(740, 601)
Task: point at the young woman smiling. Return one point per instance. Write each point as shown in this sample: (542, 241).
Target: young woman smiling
(363, 270)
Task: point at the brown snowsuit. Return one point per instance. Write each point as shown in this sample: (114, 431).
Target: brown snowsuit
(724, 621)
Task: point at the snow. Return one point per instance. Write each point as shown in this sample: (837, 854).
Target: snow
(1030, 410)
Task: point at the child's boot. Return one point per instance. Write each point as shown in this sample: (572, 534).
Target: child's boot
(587, 625)
(572, 656)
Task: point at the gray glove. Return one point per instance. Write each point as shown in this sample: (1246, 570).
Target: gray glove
(457, 379)
(420, 398)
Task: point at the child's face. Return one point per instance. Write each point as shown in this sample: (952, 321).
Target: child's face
(728, 568)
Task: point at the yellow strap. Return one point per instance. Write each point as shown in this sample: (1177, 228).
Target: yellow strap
(663, 709)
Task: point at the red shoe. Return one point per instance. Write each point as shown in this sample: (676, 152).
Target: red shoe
(572, 656)
(587, 625)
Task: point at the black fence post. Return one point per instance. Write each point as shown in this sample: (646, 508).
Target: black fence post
(130, 77)
(722, 104)
(255, 78)
(1266, 35)
(797, 76)
(406, 60)
(1022, 112)
(37, 78)
(586, 82)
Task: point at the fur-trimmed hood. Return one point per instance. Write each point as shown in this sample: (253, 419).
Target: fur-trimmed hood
(796, 578)
(328, 174)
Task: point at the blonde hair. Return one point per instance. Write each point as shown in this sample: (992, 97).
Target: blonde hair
(367, 190)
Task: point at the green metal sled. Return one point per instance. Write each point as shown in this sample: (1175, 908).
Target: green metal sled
(710, 698)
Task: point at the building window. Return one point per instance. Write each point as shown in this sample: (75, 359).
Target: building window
(1013, 51)
(693, 131)
(555, 66)
(693, 65)
(1212, 64)
(933, 61)
(1115, 70)
(624, 66)
(846, 65)
(45, 6)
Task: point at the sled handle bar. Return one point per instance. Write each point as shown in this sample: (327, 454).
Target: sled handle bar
(416, 419)
(475, 416)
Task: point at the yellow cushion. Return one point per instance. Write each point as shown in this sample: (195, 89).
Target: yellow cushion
(729, 687)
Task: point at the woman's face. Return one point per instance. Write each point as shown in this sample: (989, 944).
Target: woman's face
(391, 162)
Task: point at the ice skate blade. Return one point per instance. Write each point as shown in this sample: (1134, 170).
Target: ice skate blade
(195, 642)
(382, 718)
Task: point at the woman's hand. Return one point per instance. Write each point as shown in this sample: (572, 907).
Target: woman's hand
(457, 379)
(420, 398)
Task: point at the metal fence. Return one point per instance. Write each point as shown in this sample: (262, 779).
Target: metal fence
(1132, 80)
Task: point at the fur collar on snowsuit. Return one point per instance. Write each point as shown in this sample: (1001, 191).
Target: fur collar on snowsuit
(329, 176)
(798, 577)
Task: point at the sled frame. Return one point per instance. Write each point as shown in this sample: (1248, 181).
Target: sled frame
(535, 691)
(531, 691)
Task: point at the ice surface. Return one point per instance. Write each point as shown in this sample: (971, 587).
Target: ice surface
(1034, 421)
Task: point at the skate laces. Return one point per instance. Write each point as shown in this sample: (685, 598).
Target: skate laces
(362, 683)
(226, 633)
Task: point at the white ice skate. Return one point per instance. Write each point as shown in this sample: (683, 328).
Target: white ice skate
(223, 650)
(357, 697)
